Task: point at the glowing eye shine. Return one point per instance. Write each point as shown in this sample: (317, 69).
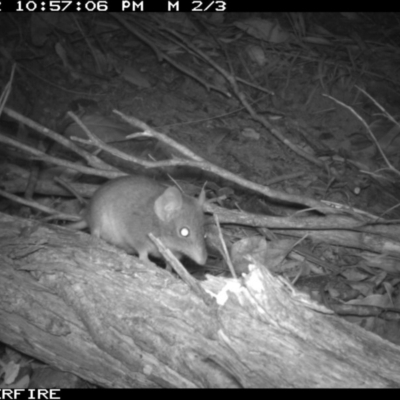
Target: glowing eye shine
(184, 232)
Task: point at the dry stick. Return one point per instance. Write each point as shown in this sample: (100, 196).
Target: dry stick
(160, 55)
(43, 156)
(7, 90)
(288, 251)
(68, 187)
(89, 44)
(94, 140)
(207, 166)
(224, 248)
(388, 116)
(388, 211)
(40, 207)
(293, 224)
(368, 130)
(90, 159)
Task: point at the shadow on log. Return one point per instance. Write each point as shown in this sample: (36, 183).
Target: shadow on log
(88, 308)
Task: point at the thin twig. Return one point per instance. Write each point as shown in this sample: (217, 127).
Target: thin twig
(90, 159)
(388, 116)
(40, 207)
(224, 248)
(7, 90)
(388, 163)
(40, 155)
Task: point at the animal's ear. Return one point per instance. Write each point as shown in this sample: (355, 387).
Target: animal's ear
(168, 204)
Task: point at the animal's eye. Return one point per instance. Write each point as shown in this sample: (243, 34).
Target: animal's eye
(184, 232)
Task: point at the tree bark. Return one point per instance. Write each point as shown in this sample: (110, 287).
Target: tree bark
(86, 307)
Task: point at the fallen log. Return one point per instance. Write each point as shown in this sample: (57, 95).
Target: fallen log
(85, 307)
